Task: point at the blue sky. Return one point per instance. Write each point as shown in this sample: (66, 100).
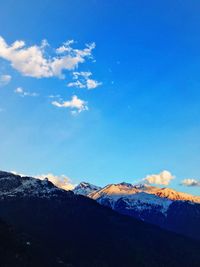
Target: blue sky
(137, 112)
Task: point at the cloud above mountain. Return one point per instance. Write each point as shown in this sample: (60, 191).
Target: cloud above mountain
(191, 182)
(76, 104)
(83, 80)
(43, 61)
(35, 61)
(163, 178)
(20, 91)
(61, 181)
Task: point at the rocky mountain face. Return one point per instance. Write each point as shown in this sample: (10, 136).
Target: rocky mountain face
(12, 185)
(85, 189)
(53, 227)
(164, 207)
(126, 189)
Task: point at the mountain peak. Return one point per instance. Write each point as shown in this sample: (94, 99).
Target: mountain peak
(127, 190)
(125, 184)
(84, 184)
(12, 185)
(85, 188)
(175, 195)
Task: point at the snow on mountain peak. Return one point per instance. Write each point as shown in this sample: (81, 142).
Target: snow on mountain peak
(127, 189)
(12, 185)
(85, 188)
(175, 195)
(138, 197)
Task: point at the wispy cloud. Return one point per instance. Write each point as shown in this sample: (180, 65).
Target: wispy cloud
(22, 92)
(54, 96)
(77, 84)
(76, 104)
(66, 47)
(191, 182)
(34, 61)
(5, 79)
(163, 178)
(92, 84)
(83, 80)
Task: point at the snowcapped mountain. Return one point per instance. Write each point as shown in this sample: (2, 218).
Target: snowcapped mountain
(164, 207)
(42, 225)
(132, 197)
(127, 190)
(174, 195)
(139, 199)
(12, 185)
(85, 189)
(161, 206)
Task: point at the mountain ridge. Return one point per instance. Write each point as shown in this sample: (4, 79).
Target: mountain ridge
(163, 207)
(124, 188)
(76, 231)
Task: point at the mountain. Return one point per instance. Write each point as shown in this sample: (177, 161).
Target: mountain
(53, 227)
(126, 189)
(12, 185)
(165, 207)
(85, 189)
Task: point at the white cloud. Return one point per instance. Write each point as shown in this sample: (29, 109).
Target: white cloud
(5, 79)
(76, 84)
(66, 47)
(21, 92)
(83, 80)
(61, 181)
(163, 178)
(75, 104)
(92, 84)
(84, 74)
(33, 61)
(191, 182)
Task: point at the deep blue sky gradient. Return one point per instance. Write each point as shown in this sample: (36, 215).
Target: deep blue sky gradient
(145, 118)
